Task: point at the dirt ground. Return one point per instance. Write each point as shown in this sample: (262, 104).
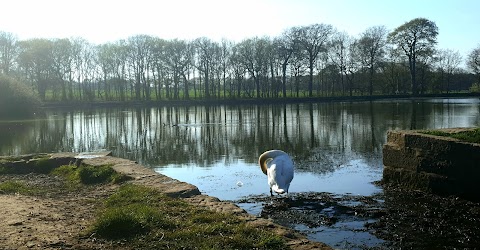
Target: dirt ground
(51, 221)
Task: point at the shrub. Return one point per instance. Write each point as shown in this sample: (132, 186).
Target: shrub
(43, 166)
(16, 99)
(475, 88)
(94, 175)
(12, 187)
(89, 174)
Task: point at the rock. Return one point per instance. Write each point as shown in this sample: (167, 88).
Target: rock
(14, 223)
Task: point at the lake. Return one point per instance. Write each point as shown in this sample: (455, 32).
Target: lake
(336, 147)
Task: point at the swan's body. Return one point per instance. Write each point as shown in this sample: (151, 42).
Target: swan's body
(278, 167)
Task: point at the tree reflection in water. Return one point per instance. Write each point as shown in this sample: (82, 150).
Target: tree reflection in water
(312, 132)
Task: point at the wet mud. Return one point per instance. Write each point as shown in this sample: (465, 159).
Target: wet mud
(415, 219)
(393, 219)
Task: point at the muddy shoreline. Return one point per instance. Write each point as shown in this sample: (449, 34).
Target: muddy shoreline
(396, 218)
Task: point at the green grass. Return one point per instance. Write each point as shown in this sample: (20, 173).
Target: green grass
(40, 165)
(151, 220)
(468, 136)
(15, 187)
(88, 174)
(74, 176)
(43, 166)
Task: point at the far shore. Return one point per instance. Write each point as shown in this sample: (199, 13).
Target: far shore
(246, 101)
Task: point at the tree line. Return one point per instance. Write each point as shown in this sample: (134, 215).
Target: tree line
(305, 61)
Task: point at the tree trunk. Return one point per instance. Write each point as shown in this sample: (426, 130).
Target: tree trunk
(257, 85)
(370, 85)
(411, 60)
(310, 80)
(284, 80)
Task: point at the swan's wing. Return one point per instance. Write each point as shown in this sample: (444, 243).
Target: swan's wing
(284, 170)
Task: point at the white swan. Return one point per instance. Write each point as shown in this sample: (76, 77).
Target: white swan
(278, 167)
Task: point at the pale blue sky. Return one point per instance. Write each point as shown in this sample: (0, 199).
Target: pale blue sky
(101, 21)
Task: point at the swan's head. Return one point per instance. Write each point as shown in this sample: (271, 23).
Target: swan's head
(268, 156)
(262, 160)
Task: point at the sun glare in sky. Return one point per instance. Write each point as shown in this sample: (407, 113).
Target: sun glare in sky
(107, 21)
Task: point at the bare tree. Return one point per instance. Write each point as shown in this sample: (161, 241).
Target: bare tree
(62, 66)
(8, 51)
(158, 66)
(106, 64)
(298, 68)
(188, 66)
(425, 66)
(322, 64)
(371, 50)
(111, 59)
(238, 69)
(177, 58)
(254, 56)
(473, 62)
(140, 52)
(217, 70)
(35, 60)
(313, 39)
(415, 38)
(225, 50)
(338, 53)
(205, 54)
(394, 72)
(448, 62)
(352, 65)
(84, 59)
(285, 46)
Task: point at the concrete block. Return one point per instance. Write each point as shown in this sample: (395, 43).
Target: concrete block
(436, 164)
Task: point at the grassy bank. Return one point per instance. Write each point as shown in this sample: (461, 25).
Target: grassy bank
(134, 216)
(151, 220)
(468, 135)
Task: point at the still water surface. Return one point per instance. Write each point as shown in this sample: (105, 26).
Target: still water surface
(337, 147)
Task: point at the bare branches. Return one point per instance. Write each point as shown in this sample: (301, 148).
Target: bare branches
(416, 37)
(300, 60)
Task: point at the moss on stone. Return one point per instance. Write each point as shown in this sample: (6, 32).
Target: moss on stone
(466, 135)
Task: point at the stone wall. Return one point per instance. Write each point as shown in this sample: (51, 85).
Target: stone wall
(436, 164)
